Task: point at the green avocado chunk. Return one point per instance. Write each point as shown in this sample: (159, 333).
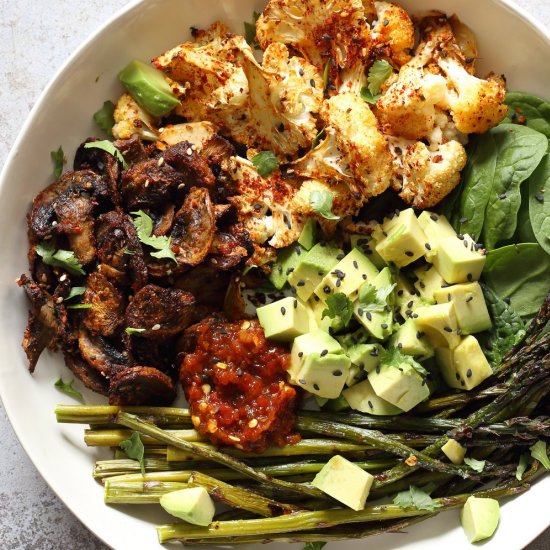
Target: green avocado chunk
(362, 397)
(284, 319)
(287, 260)
(308, 236)
(149, 87)
(479, 518)
(193, 505)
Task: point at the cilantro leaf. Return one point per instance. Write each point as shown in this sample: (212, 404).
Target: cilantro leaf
(107, 146)
(250, 31)
(378, 74)
(60, 258)
(58, 158)
(132, 330)
(321, 202)
(133, 447)
(144, 226)
(415, 498)
(393, 357)
(522, 466)
(105, 118)
(339, 305)
(369, 97)
(315, 545)
(538, 452)
(80, 306)
(317, 139)
(477, 465)
(67, 388)
(76, 291)
(265, 162)
(375, 299)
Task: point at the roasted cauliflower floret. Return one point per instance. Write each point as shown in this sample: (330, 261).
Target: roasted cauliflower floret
(476, 105)
(423, 177)
(264, 206)
(320, 30)
(195, 133)
(131, 119)
(358, 138)
(395, 30)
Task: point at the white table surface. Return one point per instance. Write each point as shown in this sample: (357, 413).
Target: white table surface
(35, 38)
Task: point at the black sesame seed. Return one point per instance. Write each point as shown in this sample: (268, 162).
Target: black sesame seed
(340, 257)
(364, 277)
(399, 345)
(507, 300)
(321, 273)
(539, 197)
(400, 292)
(457, 376)
(386, 23)
(370, 404)
(368, 252)
(293, 289)
(326, 289)
(470, 277)
(469, 373)
(434, 217)
(301, 282)
(338, 283)
(408, 312)
(460, 236)
(388, 309)
(312, 82)
(301, 72)
(360, 312)
(428, 246)
(362, 242)
(337, 373)
(449, 297)
(377, 369)
(409, 253)
(324, 352)
(280, 268)
(415, 315)
(448, 329)
(465, 244)
(298, 251)
(289, 270)
(316, 387)
(384, 325)
(418, 334)
(355, 264)
(462, 383)
(295, 304)
(368, 315)
(283, 310)
(469, 299)
(374, 352)
(316, 298)
(422, 284)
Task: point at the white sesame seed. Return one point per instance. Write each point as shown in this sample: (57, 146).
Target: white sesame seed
(146, 184)
(54, 223)
(253, 423)
(234, 438)
(245, 325)
(155, 327)
(160, 162)
(206, 389)
(181, 185)
(63, 278)
(189, 151)
(59, 300)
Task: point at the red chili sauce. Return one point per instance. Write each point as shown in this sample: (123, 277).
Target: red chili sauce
(235, 383)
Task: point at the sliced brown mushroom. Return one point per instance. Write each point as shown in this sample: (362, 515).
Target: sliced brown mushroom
(194, 227)
(193, 167)
(108, 305)
(206, 283)
(141, 386)
(119, 248)
(89, 376)
(160, 311)
(132, 149)
(100, 354)
(230, 247)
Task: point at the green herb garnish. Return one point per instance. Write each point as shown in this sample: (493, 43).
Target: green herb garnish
(58, 158)
(321, 202)
(378, 74)
(265, 162)
(250, 31)
(522, 466)
(107, 146)
(133, 447)
(144, 226)
(315, 545)
(339, 305)
(67, 388)
(79, 306)
(476, 465)
(369, 97)
(132, 330)
(317, 139)
(105, 118)
(76, 291)
(415, 498)
(374, 299)
(538, 452)
(60, 258)
(325, 74)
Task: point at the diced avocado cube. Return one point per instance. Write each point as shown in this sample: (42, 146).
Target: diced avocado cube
(287, 260)
(401, 385)
(379, 322)
(321, 401)
(459, 260)
(312, 267)
(308, 236)
(470, 308)
(465, 366)
(355, 374)
(440, 324)
(284, 319)
(336, 405)
(362, 397)
(307, 344)
(404, 242)
(324, 374)
(344, 481)
(317, 308)
(366, 244)
(192, 504)
(347, 275)
(480, 517)
(435, 227)
(429, 281)
(365, 356)
(410, 340)
(149, 87)
(404, 291)
(454, 451)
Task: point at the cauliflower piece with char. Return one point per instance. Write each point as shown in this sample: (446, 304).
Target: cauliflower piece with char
(394, 30)
(423, 177)
(131, 119)
(321, 30)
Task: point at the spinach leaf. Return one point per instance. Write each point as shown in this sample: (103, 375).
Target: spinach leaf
(520, 273)
(524, 232)
(502, 159)
(105, 118)
(508, 329)
(529, 110)
(539, 203)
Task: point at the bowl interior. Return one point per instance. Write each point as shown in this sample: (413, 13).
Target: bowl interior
(508, 43)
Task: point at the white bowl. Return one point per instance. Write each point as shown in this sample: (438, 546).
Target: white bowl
(509, 42)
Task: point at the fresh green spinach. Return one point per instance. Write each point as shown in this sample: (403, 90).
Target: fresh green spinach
(539, 203)
(530, 110)
(508, 328)
(521, 274)
(502, 160)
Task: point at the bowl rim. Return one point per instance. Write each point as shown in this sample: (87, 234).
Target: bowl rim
(56, 78)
